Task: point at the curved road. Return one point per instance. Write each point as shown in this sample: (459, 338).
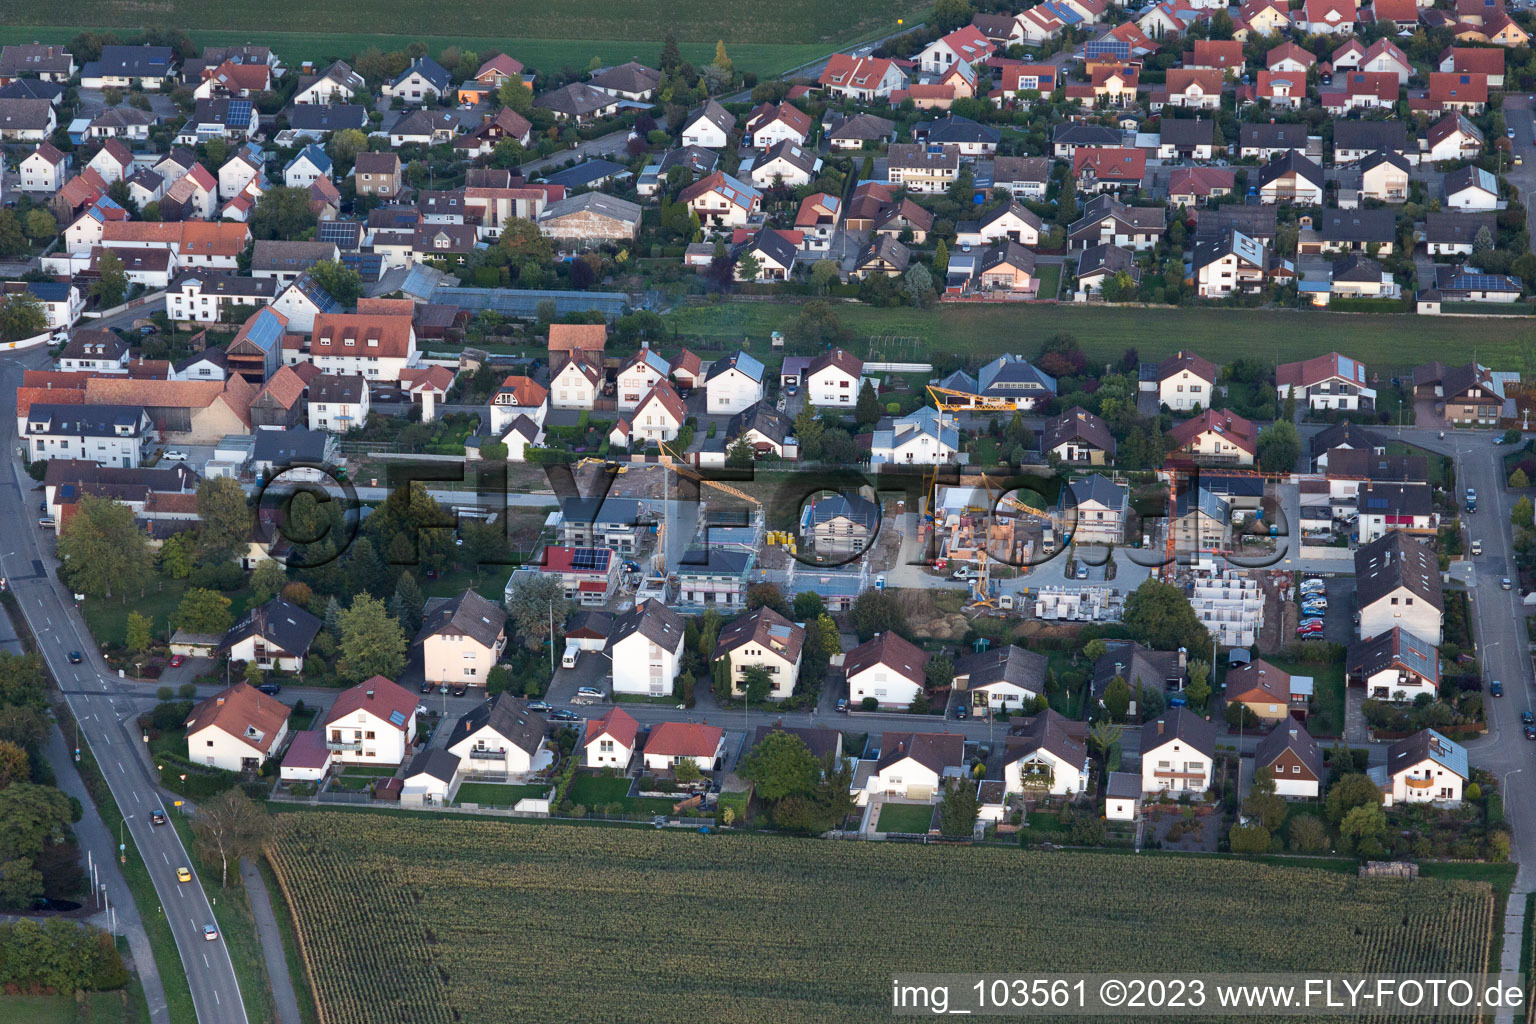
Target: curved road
(105, 713)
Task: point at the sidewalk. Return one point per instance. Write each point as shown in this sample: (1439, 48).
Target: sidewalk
(93, 836)
(271, 943)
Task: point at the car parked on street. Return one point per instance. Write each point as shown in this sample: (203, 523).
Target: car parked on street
(541, 706)
(564, 716)
(1496, 688)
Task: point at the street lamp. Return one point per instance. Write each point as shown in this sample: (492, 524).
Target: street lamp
(122, 846)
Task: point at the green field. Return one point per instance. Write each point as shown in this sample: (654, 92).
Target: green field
(765, 40)
(659, 925)
(1385, 343)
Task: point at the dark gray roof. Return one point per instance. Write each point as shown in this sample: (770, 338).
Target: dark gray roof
(468, 614)
(713, 561)
(1290, 735)
(1179, 724)
(820, 742)
(763, 418)
(1086, 135)
(1384, 156)
(278, 622)
(87, 420)
(1046, 731)
(429, 69)
(344, 388)
(1108, 258)
(1346, 435)
(326, 117)
(934, 750)
(1393, 498)
(1397, 560)
(1394, 647)
(1370, 135)
(1450, 226)
(1427, 745)
(856, 508)
(1077, 424)
(1358, 226)
(1356, 266)
(296, 444)
(702, 161)
(1187, 131)
(1137, 665)
(864, 127)
(630, 77)
(436, 762)
(1290, 160)
(1008, 664)
(1258, 221)
(271, 254)
(954, 130)
(1272, 136)
(506, 716)
(652, 620)
(1101, 490)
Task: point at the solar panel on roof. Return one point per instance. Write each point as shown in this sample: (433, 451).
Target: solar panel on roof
(342, 233)
(239, 112)
(397, 717)
(1107, 48)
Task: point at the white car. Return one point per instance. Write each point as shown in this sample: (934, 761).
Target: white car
(174, 456)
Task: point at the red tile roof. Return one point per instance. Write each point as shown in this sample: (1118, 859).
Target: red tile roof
(684, 739)
(577, 337)
(892, 651)
(238, 709)
(333, 330)
(524, 391)
(1230, 425)
(387, 697)
(1110, 163)
(618, 724)
(1452, 87)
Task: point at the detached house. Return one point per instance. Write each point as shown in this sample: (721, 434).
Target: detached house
(772, 123)
(1454, 137)
(1291, 178)
(1425, 768)
(373, 723)
(461, 639)
(423, 82)
(721, 201)
(1046, 754)
(914, 765)
(1006, 677)
(610, 741)
(236, 729)
(921, 169)
(1397, 585)
(1326, 382)
(646, 648)
(575, 384)
(1472, 189)
(1100, 505)
(1078, 437)
(762, 639)
(658, 417)
(861, 79)
(1395, 666)
(887, 669)
(1107, 221)
(966, 45)
(1185, 381)
(1190, 88)
(376, 345)
(733, 384)
(275, 636)
(43, 170)
(1215, 438)
(1294, 760)
(710, 127)
(671, 743)
(926, 437)
(833, 378)
(1178, 752)
(1264, 690)
(500, 737)
(1230, 264)
(1099, 170)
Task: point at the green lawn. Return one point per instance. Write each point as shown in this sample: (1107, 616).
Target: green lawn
(495, 794)
(1050, 280)
(913, 818)
(1386, 343)
(1434, 462)
(1328, 720)
(370, 771)
(107, 617)
(596, 792)
(489, 581)
(98, 1008)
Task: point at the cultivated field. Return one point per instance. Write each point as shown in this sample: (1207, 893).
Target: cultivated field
(772, 37)
(404, 919)
(1386, 343)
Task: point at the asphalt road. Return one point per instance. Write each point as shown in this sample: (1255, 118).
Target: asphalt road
(105, 714)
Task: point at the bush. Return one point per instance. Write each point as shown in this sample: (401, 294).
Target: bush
(1473, 791)
(869, 704)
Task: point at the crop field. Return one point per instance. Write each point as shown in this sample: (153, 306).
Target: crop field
(765, 38)
(487, 921)
(1386, 343)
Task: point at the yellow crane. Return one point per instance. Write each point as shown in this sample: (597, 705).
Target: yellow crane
(950, 400)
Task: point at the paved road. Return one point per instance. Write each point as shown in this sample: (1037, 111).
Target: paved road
(271, 943)
(101, 709)
(1518, 115)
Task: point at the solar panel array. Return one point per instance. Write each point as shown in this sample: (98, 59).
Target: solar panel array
(590, 559)
(344, 234)
(397, 717)
(1116, 48)
(239, 112)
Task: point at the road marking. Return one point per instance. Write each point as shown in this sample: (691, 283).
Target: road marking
(216, 996)
(120, 767)
(165, 857)
(180, 891)
(206, 963)
(135, 796)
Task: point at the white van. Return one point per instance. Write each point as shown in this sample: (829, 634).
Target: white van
(568, 659)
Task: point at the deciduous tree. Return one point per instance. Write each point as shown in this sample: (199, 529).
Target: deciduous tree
(226, 517)
(780, 766)
(228, 827)
(102, 547)
(203, 611)
(372, 643)
(533, 606)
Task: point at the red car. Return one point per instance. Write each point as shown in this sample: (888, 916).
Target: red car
(176, 660)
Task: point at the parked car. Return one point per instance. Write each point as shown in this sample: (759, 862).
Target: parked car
(1082, 571)
(1477, 547)
(965, 572)
(175, 456)
(178, 660)
(564, 716)
(842, 704)
(1496, 688)
(47, 522)
(270, 689)
(541, 706)
(426, 687)
(461, 689)
(961, 712)
(1506, 583)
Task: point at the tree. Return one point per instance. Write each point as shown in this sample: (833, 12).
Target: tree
(918, 285)
(177, 556)
(372, 643)
(1103, 736)
(493, 451)
(952, 14)
(282, 213)
(1117, 698)
(808, 606)
(267, 581)
(1362, 828)
(14, 763)
(1093, 650)
(408, 604)
(226, 517)
(12, 241)
(687, 771)
(780, 766)
(22, 315)
(35, 817)
(339, 281)
(513, 93)
(40, 225)
(1159, 616)
(1518, 481)
(748, 267)
(1308, 834)
(723, 61)
(136, 635)
(346, 144)
(1249, 839)
(757, 684)
(808, 431)
(1352, 790)
(229, 827)
(941, 260)
(111, 288)
(532, 605)
(959, 808)
(876, 611)
(1263, 803)
(102, 545)
(740, 455)
(1199, 690)
(823, 273)
(203, 611)
(670, 56)
(1279, 446)
(868, 411)
(940, 671)
(1523, 512)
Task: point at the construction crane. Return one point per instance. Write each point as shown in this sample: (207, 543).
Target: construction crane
(950, 400)
(1173, 473)
(683, 470)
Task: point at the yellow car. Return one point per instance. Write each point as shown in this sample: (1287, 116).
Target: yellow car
(183, 875)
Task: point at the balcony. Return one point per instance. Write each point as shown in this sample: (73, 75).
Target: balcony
(342, 746)
(488, 755)
(1419, 783)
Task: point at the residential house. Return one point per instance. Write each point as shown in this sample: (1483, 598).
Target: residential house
(1230, 264)
(1291, 178)
(1099, 506)
(671, 743)
(1487, 61)
(658, 417)
(1185, 382)
(518, 396)
(1023, 177)
(423, 82)
(1471, 189)
(338, 83)
(26, 120)
(45, 169)
(839, 525)
(914, 765)
(709, 127)
(128, 67)
(786, 164)
(371, 723)
(1396, 666)
(921, 168)
(1470, 284)
(1384, 177)
(888, 670)
(375, 345)
(771, 124)
(817, 220)
(1194, 186)
(1178, 752)
(646, 648)
(1264, 690)
(236, 729)
(591, 218)
(1010, 221)
(376, 174)
(761, 639)
(338, 402)
(1186, 138)
(310, 165)
(1216, 438)
(1397, 585)
(275, 636)
(574, 385)
(1425, 768)
(1465, 92)
(861, 79)
(1455, 233)
(1454, 137)
(461, 638)
(1294, 761)
(96, 351)
(1078, 437)
(1004, 678)
(861, 131)
(1372, 231)
(112, 435)
(1190, 88)
(733, 384)
(965, 45)
(1267, 141)
(48, 63)
(721, 201)
(1355, 140)
(924, 437)
(1107, 221)
(832, 379)
(610, 741)
(631, 81)
(766, 430)
(1046, 754)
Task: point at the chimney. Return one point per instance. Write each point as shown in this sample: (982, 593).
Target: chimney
(370, 695)
(1160, 726)
(221, 702)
